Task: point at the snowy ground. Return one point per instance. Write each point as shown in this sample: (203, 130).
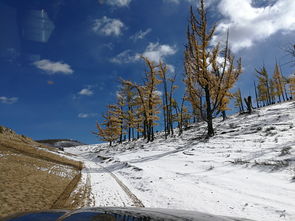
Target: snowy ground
(247, 170)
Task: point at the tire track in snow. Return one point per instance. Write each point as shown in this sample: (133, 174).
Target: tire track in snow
(94, 169)
(134, 198)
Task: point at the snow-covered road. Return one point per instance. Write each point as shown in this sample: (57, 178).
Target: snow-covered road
(107, 190)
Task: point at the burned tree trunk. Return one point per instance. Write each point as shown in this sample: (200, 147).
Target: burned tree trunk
(248, 102)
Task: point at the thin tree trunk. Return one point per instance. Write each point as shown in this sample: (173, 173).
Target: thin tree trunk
(223, 115)
(257, 102)
(129, 133)
(286, 93)
(170, 116)
(153, 134)
(164, 118)
(242, 106)
(209, 113)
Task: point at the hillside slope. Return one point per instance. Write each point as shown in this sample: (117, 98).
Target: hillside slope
(246, 170)
(32, 176)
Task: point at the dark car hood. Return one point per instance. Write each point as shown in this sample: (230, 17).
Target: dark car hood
(122, 214)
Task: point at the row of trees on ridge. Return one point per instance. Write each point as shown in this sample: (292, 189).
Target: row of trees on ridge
(210, 74)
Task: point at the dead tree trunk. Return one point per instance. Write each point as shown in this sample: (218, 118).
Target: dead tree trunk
(248, 102)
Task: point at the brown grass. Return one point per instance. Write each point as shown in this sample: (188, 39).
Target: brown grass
(32, 178)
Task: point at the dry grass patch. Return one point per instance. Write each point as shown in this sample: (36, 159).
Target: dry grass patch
(25, 145)
(32, 178)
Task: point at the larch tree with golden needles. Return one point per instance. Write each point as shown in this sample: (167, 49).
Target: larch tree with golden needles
(148, 100)
(263, 86)
(152, 98)
(127, 94)
(272, 91)
(291, 82)
(136, 114)
(239, 101)
(111, 128)
(205, 75)
(182, 115)
(278, 83)
(168, 87)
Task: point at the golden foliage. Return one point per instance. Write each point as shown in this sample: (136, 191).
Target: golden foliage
(263, 85)
(110, 130)
(292, 85)
(210, 71)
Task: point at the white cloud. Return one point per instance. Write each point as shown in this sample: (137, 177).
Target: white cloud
(51, 67)
(86, 92)
(86, 115)
(157, 52)
(108, 26)
(158, 93)
(178, 1)
(118, 3)
(154, 51)
(193, 2)
(125, 57)
(249, 24)
(8, 100)
(140, 34)
(171, 68)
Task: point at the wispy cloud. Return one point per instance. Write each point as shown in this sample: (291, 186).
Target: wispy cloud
(171, 68)
(86, 92)
(51, 67)
(154, 51)
(140, 34)
(125, 57)
(86, 115)
(178, 1)
(117, 3)
(108, 26)
(193, 2)
(249, 24)
(8, 100)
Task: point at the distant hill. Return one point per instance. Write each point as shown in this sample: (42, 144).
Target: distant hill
(61, 143)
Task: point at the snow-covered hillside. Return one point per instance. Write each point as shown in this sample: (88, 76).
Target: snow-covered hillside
(246, 170)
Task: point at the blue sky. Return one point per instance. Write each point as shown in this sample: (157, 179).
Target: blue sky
(61, 59)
